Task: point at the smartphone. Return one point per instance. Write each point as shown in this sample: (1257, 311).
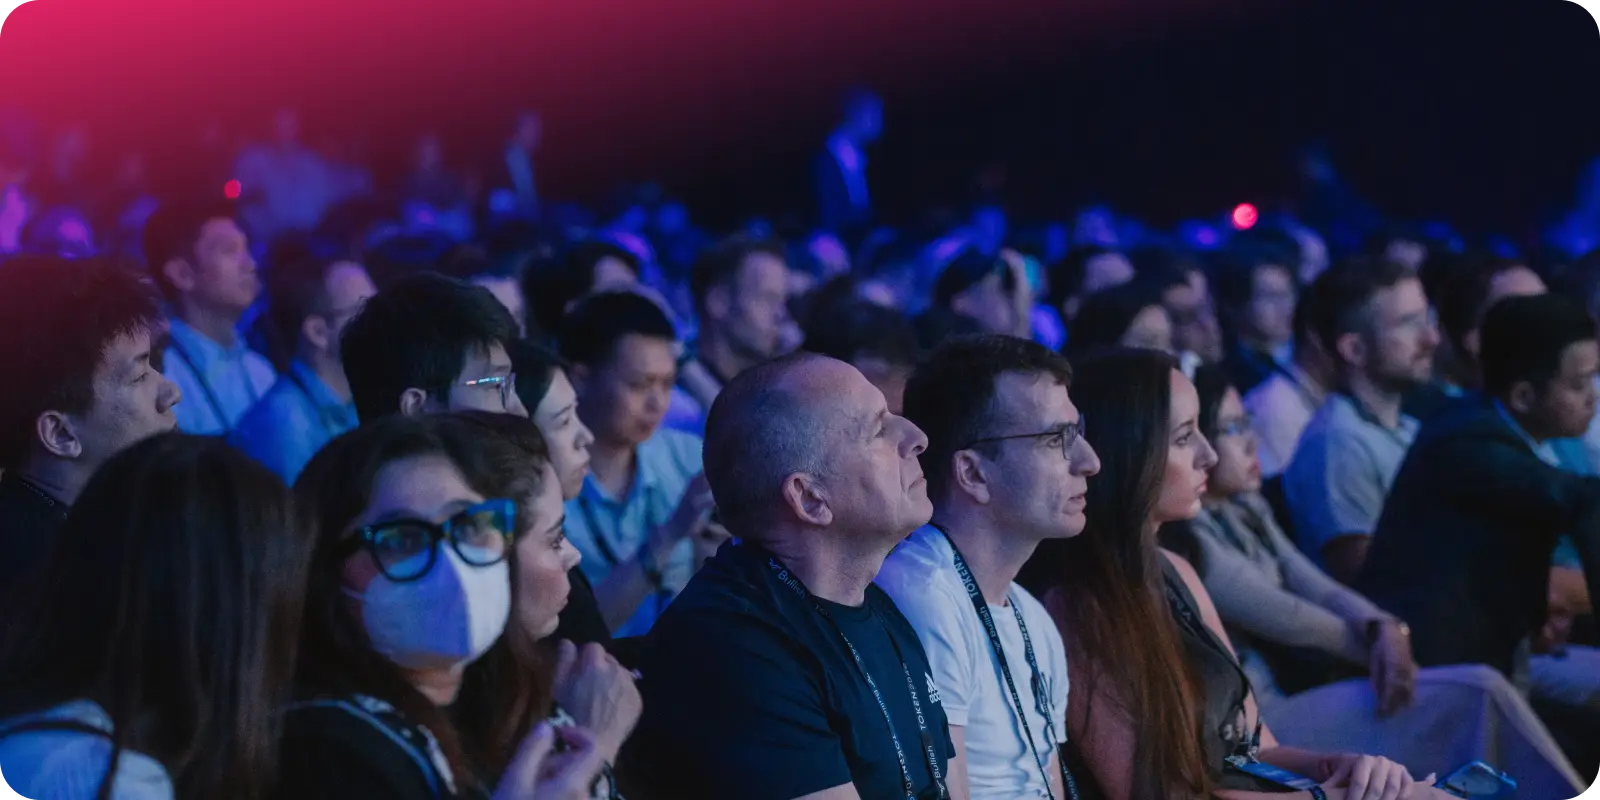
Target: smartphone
(1479, 780)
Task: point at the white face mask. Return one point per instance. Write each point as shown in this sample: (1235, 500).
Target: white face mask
(446, 618)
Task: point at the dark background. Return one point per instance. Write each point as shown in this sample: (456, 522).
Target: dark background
(1481, 113)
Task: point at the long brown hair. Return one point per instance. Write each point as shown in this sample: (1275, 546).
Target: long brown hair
(506, 691)
(1104, 586)
(172, 597)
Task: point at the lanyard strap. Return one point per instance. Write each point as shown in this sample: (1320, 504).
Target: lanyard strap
(928, 751)
(329, 426)
(1041, 697)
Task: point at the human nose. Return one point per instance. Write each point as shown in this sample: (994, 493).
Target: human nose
(1083, 459)
(1207, 457)
(915, 440)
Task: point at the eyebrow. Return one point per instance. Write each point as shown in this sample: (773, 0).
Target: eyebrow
(1188, 423)
(560, 523)
(449, 510)
(874, 422)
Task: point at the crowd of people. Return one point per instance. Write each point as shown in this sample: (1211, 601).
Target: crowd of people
(467, 494)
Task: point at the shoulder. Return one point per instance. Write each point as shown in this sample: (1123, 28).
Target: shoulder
(66, 764)
(682, 451)
(920, 571)
(1185, 571)
(260, 368)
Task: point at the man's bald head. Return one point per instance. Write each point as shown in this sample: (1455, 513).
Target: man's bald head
(768, 423)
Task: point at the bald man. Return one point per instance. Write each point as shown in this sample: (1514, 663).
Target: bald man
(781, 672)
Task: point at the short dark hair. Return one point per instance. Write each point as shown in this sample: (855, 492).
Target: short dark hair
(1523, 339)
(172, 231)
(758, 432)
(57, 317)
(536, 367)
(1462, 296)
(1067, 275)
(969, 267)
(551, 284)
(296, 288)
(951, 394)
(418, 333)
(1106, 316)
(1234, 279)
(860, 329)
(590, 332)
(1344, 293)
(719, 264)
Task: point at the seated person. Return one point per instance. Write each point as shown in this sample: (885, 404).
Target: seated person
(1130, 315)
(781, 671)
(1272, 598)
(1256, 298)
(1375, 322)
(1283, 404)
(1159, 701)
(875, 340)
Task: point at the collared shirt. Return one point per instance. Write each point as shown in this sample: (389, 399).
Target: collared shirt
(1341, 473)
(1280, 408)
(608, 531)
(293, 421)
(219, 383)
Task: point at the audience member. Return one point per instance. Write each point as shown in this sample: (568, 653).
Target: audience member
(1256, 295)
(1084, 271)
(1375, 323)
(430, 343)
(284, 185)
(1461, 300)
(201, 260)
(155, 644)
(1159, 701)
(409, 585)
(553, 286)
(987, 289)
(1007, 467)
(1186, 293)
(741, 295)
(587, 688)
(644, 506)
(1280, 612)
(1282, 406)
(547, 392)
(1481, 501)
(1129, 315)
(83, 354)
(840, 172)
(877, 341)
(311, 302)
(782, 671)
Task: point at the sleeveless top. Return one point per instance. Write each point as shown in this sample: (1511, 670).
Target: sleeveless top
(1223, 724)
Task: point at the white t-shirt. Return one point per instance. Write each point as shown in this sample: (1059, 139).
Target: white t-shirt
(921, 578)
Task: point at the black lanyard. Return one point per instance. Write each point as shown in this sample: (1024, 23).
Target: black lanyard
(205, 385)
(789, 579)
(1041, 695)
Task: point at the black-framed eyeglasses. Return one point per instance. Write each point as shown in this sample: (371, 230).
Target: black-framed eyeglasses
(1068, 434)
(405, 549)
(507, 384)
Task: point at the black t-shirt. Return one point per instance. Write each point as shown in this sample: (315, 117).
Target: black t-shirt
(750, 692)
(29, 518)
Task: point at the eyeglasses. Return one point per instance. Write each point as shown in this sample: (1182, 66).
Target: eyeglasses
(506, 383)
(1069, 435)
(405, 549)
(1238, 426)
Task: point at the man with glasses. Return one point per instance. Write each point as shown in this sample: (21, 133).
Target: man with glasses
(641, 520)
(312, 301)
(1007, 468)
(430, 343)
(1375, 322)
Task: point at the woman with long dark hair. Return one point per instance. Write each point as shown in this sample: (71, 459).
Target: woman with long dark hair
(519, 681)
(409, 585)
(1158, 701)
(150, 655)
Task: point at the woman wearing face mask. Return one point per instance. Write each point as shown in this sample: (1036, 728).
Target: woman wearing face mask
(1272, 598)
(409, 585)
(587, 686)
(1159, 701)
(147, 660)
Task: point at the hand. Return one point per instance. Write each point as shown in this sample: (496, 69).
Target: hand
(1393, 670)
(1366, 777)
(599, 693)
(692, 514)
(537, 773)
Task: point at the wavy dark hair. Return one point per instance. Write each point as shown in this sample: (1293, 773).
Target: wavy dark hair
(507, 690)
(337, 656)
(172, 597)
(1105, 585)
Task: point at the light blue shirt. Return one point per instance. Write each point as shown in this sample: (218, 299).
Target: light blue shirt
(608, 531)
(60, 764)
(219, 383)
(293, 421)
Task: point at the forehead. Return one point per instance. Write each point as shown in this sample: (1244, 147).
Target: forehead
(218, 230)
(1514, 282)
(426, 486)
(559, 395)
(1580, 358)
(348, 283)
(1033, 399)
(1271, 276)
(636, 352)
(1185, 401)
(1405, 297)
(486, 359)
(124, 348)
(763, 271)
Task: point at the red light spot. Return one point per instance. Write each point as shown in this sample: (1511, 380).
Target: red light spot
(1245, 216)
(231, 189)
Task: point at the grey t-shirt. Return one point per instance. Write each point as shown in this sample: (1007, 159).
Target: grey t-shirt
(1342, 470)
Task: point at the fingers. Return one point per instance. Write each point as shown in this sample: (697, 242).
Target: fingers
(523, 772)
(566, 656)
(1361, 780)
(1395, 780)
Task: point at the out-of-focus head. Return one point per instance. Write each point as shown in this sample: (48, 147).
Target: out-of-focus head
(1375, 320)
(1186, 293)
(1226, 426)
(1540, 359)
(1255, 289)
(623, 352)
(1003, 434)
(1130, 315)
(313, 299)
(741, 293)
(200, 257)
(979, 287)
(84, 361)
(805, 445)
(552, 286)
(1475, 284)
(430, 343)
(875, 340)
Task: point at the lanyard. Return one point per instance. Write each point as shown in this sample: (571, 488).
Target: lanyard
(1041, 697)
(205, 385)
(788, 579)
